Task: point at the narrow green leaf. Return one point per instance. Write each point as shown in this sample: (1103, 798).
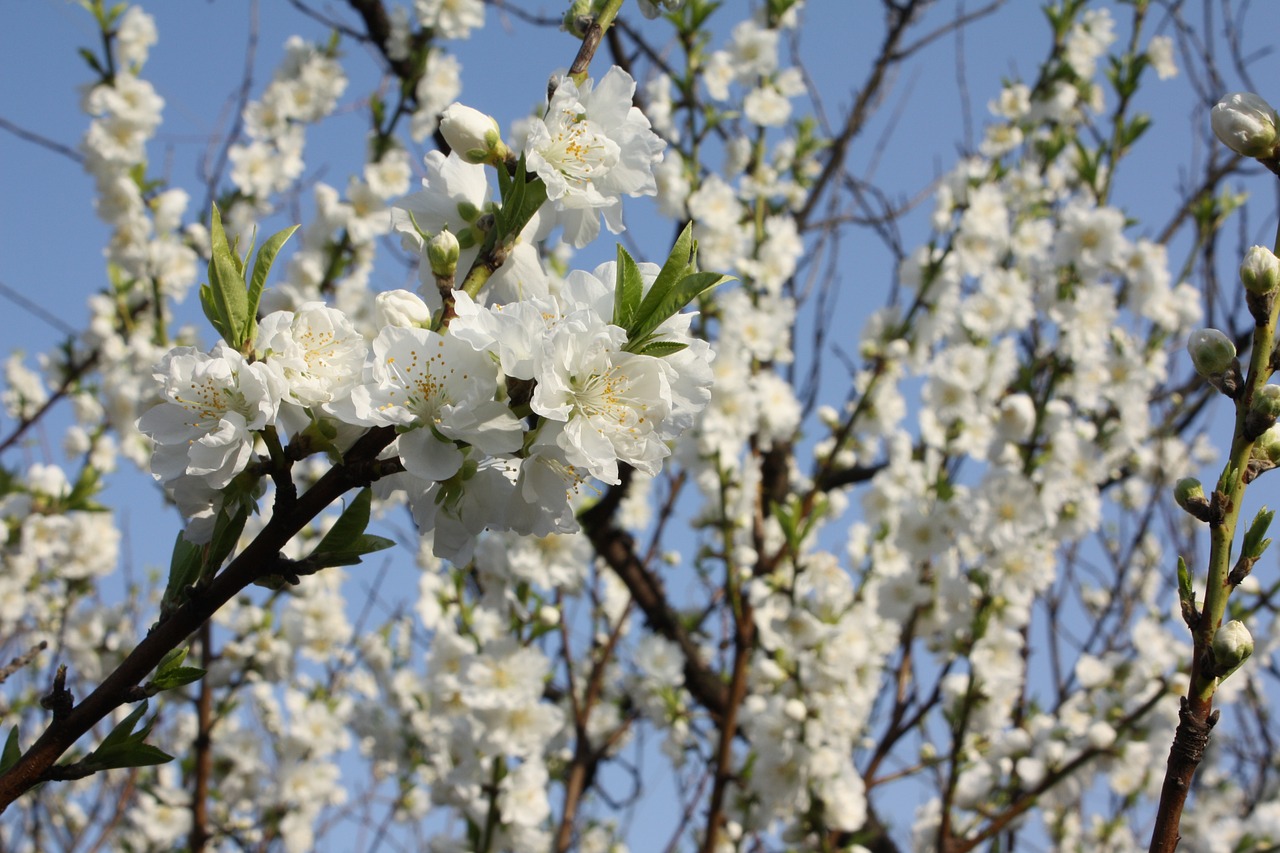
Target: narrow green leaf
(226, 533)
(261, 268)
(690, 288)
(89, 57)
(352, 554)
(226, 280)
(628, 289)
(174, 678)
(12, 751)
(213, 311)
(123, 730)
(346, 542)
(131, 755)
(661, 349)
(679, 263)
(349, 526)
(171, 661)
(184, 570)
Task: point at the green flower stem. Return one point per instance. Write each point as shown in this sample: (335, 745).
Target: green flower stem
(1196, 716)
(1222, 533)
(591, 41)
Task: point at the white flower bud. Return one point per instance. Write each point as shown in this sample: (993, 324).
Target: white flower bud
(400, 308)
(1232, 645)
(1246, 124)
(475, 136)
(1211, 351)
(1260, 271)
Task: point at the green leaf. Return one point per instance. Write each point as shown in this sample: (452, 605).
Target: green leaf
(690, 288)
(1255, 542)
(89, 57)
(172, 660)
(627, 291)
(12, 751)
(352, 522)
(661, 349)
(261, 268)
(352, 554)
(214, 312)
(184, 570)
(174, 678)
(521, 198)
(346, 542)
(123, 731)
(129, 755)
(226, 281)
(679, 263)
(226, 533)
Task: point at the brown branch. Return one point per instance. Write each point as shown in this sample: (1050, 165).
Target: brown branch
(617, 548)
(203, 769)
(260, 558)
(1195, 721)
(22, 660)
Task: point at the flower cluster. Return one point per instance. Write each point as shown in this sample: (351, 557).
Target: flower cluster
(305, 89)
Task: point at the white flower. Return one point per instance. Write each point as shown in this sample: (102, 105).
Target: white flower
(612, 402)
(591, 147)
(316, 351)
(441, 384)
(451, 19)
(522, 795)
(212, 404)
(135, 34)
(438, 87)
(1160, 54)
(767, 107)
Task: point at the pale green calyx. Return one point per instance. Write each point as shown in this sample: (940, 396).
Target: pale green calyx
(1267, 401)
(1189, 494)
(475, 136)
(1211, 351)
(1260, 271)
(1267, 447)
(1246, 124)
(1232, 645)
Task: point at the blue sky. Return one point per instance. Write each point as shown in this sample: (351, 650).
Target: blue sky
(52, 240)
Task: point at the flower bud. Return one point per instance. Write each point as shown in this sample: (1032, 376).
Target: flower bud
(1246, 124)
(475, 136)
(1211, 351)
(1260, 271)
(1188, 490)
(1267, 401)
(1267, 447)
(1232, 645)
(400, 308)
(442, 254)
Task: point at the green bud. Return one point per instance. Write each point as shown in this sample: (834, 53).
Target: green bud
(1267, 447)
(1260, 271)
(1267, 401)
(1188, 492)
(1212, 352)
(442, 253)
(1232, 645)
